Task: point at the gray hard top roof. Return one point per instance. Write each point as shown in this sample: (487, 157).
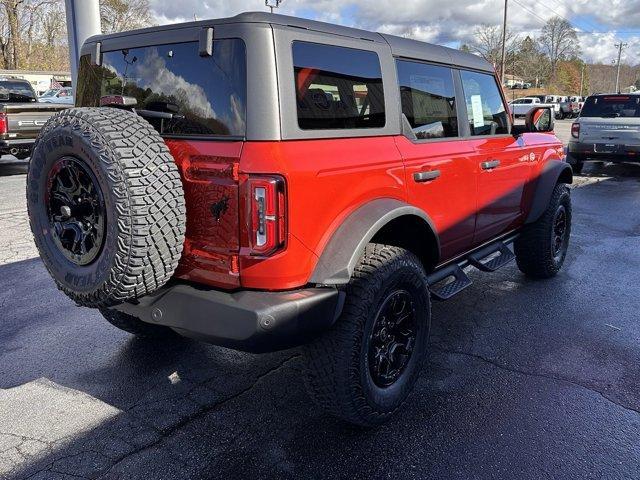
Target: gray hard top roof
(402, 47)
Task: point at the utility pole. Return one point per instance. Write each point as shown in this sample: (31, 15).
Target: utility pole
(83, 21)
(504, 43)
(620, 46)
(272, 4)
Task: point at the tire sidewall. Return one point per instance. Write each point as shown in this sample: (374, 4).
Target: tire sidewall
(52, 145)
(564, 200)
(405, 276)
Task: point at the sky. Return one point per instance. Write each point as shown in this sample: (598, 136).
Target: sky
(600, 23)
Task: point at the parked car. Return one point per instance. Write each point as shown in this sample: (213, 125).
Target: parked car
(21, 117)
(521, 106)
(608, 129)
(299, 183)
(564, 108)
(62, 96)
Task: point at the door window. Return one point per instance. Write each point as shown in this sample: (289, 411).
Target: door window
(485, 108)
(428, 98)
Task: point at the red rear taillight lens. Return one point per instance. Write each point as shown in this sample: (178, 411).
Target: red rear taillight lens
(575, 130)
(3, 123)
(266, 198)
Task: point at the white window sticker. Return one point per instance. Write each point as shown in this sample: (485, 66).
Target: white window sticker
(476, 107)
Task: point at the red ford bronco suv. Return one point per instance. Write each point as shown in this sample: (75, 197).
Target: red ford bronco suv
(263, 182)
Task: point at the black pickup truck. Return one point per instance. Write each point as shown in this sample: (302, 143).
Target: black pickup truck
(21, 116)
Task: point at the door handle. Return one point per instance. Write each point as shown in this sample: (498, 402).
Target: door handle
(427, 176)
(490, 165)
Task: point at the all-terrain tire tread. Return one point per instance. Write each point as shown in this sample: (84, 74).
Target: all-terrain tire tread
(149, 201)
(533, 247)
(331, 376)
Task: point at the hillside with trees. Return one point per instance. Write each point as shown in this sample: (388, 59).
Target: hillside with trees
(551, 60)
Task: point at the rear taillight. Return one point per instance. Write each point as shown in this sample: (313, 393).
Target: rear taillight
(266, 208)
(575, 130)
(3, 123)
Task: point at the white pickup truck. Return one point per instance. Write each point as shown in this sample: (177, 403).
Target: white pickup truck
(521, 106)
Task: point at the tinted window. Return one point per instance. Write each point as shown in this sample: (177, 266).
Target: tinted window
(612, 106)
(337, 87)
(202, 95)
(428, 99)
(485, 108)
(17, 92)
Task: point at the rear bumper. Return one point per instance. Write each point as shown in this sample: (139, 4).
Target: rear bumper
(610, 152)
(253, 321)
(21, 144)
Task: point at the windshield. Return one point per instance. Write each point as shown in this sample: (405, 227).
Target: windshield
(49, 93)
(176, 89)
(612, 106)
(16, 92)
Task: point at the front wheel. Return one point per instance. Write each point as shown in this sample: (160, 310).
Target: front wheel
(366, 366)
(542, 246)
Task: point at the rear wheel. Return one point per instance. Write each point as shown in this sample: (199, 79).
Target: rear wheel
(364, 369)
(542, 246)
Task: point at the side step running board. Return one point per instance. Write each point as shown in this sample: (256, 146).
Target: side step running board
(449, 289)
(452, 279)
(504, 256)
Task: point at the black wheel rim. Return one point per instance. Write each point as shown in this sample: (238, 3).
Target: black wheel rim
(559, 233)
(392, 338)
(76, 210)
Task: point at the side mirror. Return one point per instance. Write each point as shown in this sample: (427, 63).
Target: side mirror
(540, 119)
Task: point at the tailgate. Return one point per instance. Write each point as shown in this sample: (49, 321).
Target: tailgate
(209, 172)
(24, 120)
(619, 131)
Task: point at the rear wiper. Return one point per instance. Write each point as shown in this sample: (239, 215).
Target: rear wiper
(154, 114)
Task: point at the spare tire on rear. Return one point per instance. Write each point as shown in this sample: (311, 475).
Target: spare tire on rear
(106, 205)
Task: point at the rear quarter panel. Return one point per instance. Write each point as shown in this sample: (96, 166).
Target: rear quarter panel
(326, 181)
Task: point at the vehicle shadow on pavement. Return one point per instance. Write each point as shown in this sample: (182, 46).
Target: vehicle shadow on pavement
(522, 376)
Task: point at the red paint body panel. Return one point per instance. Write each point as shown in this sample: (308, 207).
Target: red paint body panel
(500, 190)
(328, 179)
(450, 200)
(209, 173)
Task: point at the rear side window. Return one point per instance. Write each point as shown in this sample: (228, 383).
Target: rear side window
(428, 98)
(485, 108)
(176, 89)
(612, 106)
(337, 88)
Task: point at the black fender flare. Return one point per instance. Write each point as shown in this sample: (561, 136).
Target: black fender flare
(553, 172)
(341, 254)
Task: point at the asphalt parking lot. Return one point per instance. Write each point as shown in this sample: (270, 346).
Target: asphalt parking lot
(526, 380)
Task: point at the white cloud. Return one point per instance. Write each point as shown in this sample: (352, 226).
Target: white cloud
(154, 74)
(440, 22)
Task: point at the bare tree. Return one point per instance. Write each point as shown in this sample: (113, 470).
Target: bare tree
(487, 43)
(559, 41)
(120, 15)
